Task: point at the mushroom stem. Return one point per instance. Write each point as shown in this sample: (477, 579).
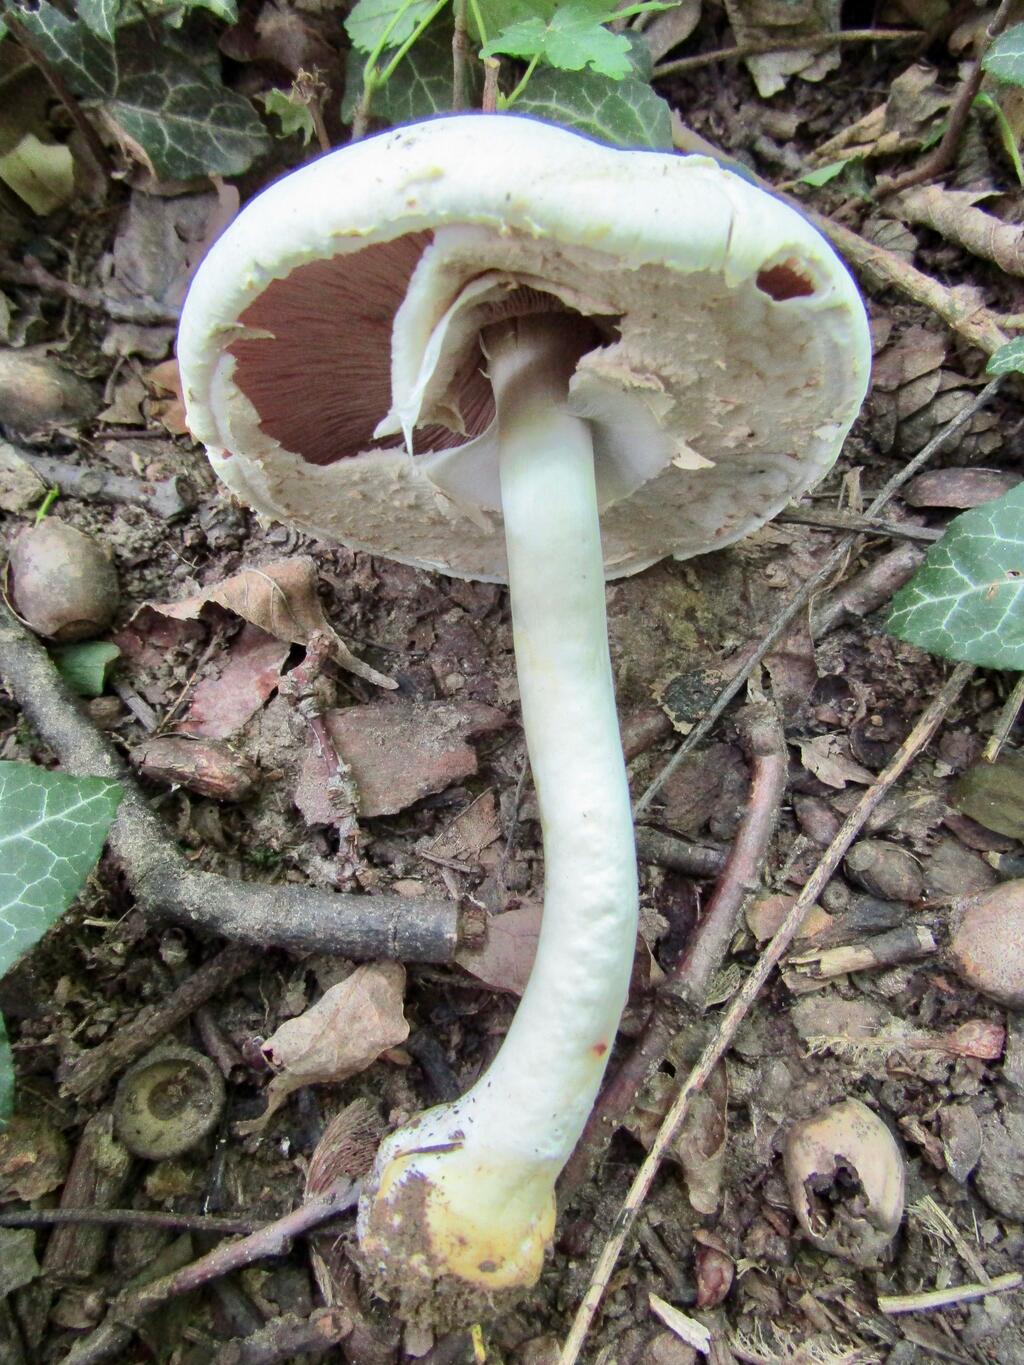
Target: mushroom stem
(467, 1189)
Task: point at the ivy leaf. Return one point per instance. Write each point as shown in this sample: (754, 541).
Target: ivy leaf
(419, 88)
(52, 829)
(571, 38)
(84, 666)
(1005, 58)
(371, 19)
(166, 109)
(100, 16)
(626, 113)
(967, 600)
(6, 1077)
(1008, 359)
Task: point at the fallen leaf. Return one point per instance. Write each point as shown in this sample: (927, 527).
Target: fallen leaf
(165, 378)
(471, 831)
(827, 757)
(250, 671)
(342, 1034)
(33, 1158)
(960, 488)
(281, 599)
(20, 485)
(398, 752)
(506, 958)
(40, 173)
(755, 23)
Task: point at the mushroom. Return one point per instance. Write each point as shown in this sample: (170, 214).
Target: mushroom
(494, 348)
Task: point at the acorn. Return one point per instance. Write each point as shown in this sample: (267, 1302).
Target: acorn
(62, 583)
(987, 947)
(168, 1102)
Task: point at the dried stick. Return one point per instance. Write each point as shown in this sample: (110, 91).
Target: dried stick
(145, 312)
(812, 42)
(130, 1307)
(942, 157)
(866, 591)
(167, 887)
(165, 498)
(919, 736)
(946, 1298)
(90, 1071)
(827, 520)
(1005, 723)
(807, 590)
(288, 1336)
(460, 57)
(131, 1218)
(688, 981)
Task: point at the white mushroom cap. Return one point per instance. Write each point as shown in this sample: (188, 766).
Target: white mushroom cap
(333, 329)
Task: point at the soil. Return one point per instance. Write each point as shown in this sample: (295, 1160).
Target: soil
(718, 1239)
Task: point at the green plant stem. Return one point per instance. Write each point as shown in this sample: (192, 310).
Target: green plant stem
(478, 19)
(505, 101)
(1006, 133)
(413, 38)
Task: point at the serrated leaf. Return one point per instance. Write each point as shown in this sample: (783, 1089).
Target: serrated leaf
(1008, 359)
(52, 829)
(167, 109)
(370, 20)
(626, 113)
(100, 16)
(84, 666)
(967, 600)
(573, 38)
(1005, 58)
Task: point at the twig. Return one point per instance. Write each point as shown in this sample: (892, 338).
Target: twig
(848, 521)
(942, 157)
(1005, 723)
(952, 214)
(129, 1308)
(806, 591)
(729, 1025)
(287, 1336)
(165, 498)
(90, 1071)
(669, 850)
(166, 886)
(460, 56)
(809, 43)
(687, 983)
(945, 1298)
(492, 71)
(145, 312)
(131, 1218)
(60, 88)
(866, 591)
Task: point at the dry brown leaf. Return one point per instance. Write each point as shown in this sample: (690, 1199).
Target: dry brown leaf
(165, 379)
(281, 599)
(827, 757)
(952, 213)
(505, 960)
(343, 1033)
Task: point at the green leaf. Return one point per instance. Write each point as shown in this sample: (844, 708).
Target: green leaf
(100, 16)
(419, 87)
(574, 37)
(52, 829)
(294, 115)
(967, 600)
(370, 20)
(1005, 58)
(176, 113)
(626, 113)
(1008, 359)
(84, 666)
(6, 1077)
(824, 174)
